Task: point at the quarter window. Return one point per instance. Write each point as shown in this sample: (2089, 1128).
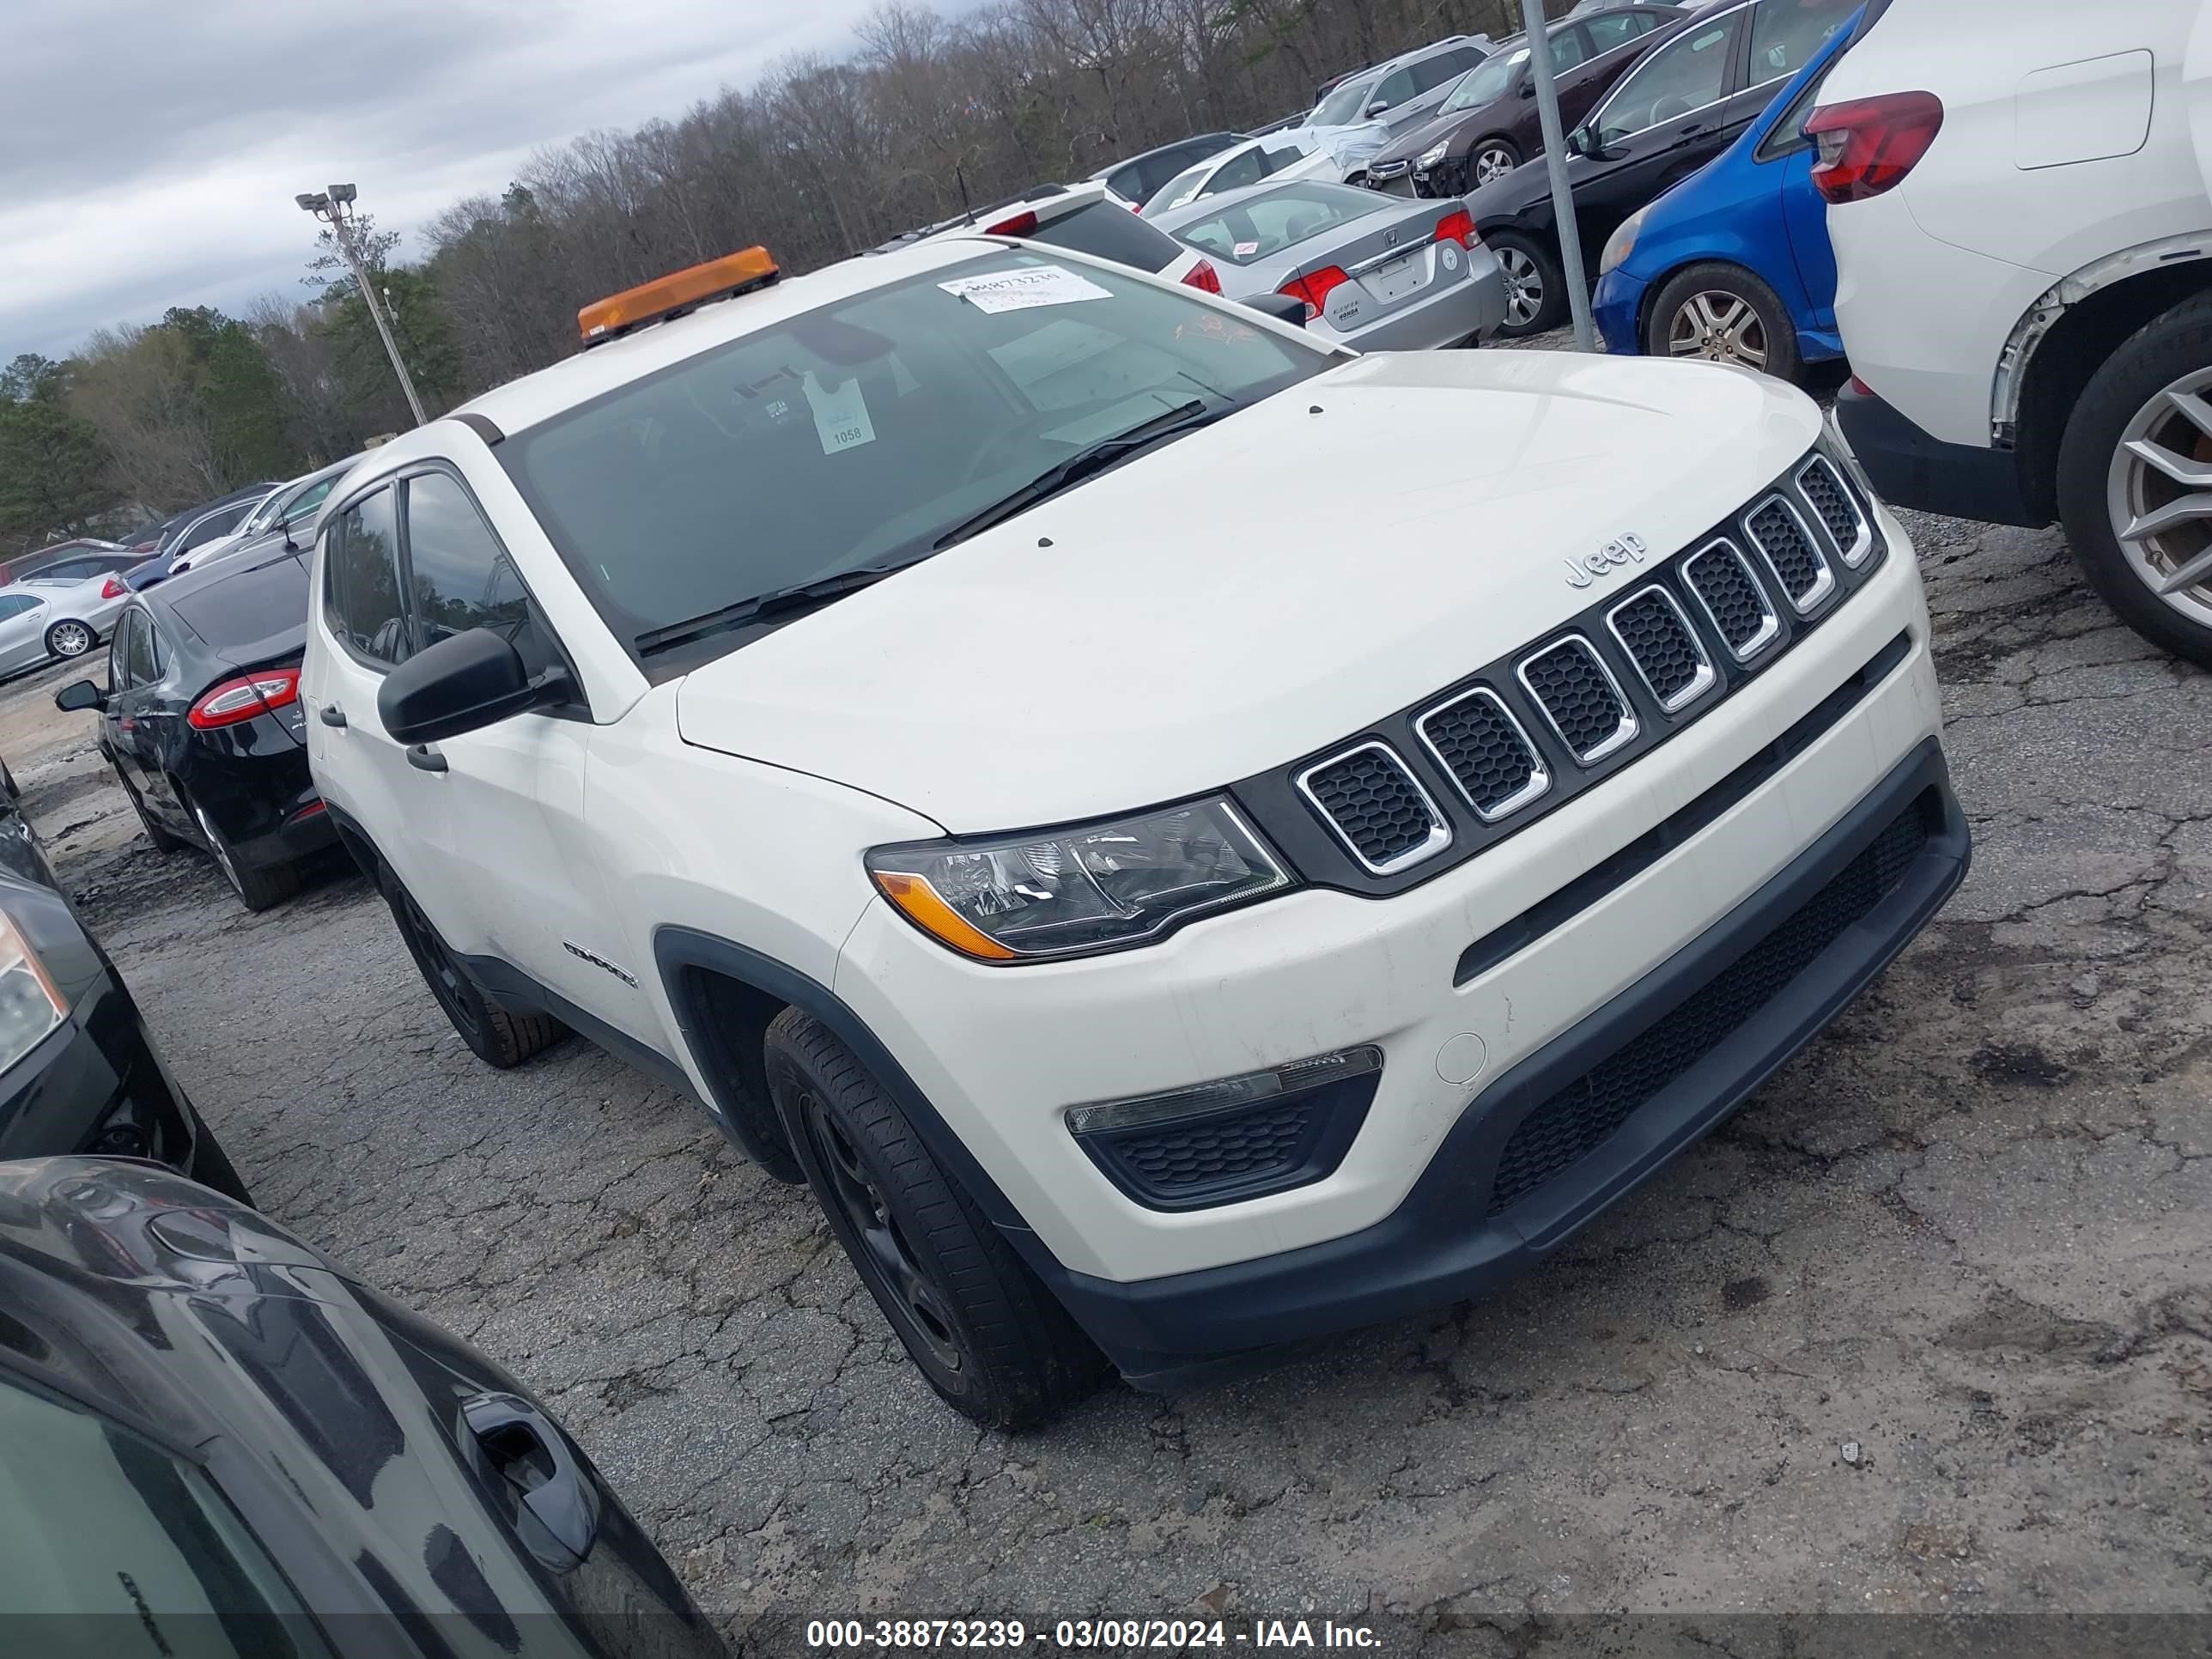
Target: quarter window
(1609, 29)
(141, 661)
(458, 575)
(362, 597)
(118, 650)
(1685, 74)
(1566, 50)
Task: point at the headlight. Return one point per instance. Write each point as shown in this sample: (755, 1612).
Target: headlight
(1622, 242)
(1432, 156)
(1058, 893)
(30, 1007)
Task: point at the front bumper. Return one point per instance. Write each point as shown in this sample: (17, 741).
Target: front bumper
(1002, 1054)
(1617, 308)
(1507, 1185)
(96, 1085)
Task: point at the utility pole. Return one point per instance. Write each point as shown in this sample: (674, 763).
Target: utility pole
(1555, 163)
(334, 208)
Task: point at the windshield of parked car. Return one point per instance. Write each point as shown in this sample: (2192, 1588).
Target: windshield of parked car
(1249, 228)
(858, 434)
(1343, 106)
(1178, 189)
(1486, 84)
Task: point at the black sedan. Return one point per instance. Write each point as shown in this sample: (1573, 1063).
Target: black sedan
(220, 1444)
(1681, 105)
(202, 720)
(78, 1072)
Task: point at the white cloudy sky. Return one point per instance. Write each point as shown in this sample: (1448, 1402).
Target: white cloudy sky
(150, 149)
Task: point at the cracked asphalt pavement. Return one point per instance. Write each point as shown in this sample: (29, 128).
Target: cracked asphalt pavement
(1928, 1326)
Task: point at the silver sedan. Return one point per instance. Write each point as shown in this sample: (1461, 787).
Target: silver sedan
(1376, 272)
(41, 618)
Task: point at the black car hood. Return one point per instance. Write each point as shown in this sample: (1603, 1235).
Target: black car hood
(1454, 127)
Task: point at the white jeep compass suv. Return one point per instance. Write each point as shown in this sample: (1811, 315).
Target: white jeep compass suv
(1024, 745)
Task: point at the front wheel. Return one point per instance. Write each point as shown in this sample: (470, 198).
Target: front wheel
(1535, 292)
(2135, 481)
(1723, 313)
(70, 639)
(989, 1336)
(1493, 158)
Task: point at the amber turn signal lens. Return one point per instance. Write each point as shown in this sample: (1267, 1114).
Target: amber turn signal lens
(918, 900)
(678, 291)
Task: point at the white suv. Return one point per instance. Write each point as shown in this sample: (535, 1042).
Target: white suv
(2023, 240)
(1013, 737)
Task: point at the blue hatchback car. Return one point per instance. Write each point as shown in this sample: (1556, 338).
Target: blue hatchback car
(1733, 264)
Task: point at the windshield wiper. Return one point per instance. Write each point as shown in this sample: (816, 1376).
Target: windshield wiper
(1092, 458)
(777, 601)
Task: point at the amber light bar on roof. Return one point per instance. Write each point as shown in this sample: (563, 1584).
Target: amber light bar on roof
(675, 294)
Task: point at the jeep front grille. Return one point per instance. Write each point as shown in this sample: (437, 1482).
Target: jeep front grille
(1791, 554)
(1733, 600)
(1373, 802)
(1656, 635)
(1837, 508)
(1476, 739)
(1580, 698)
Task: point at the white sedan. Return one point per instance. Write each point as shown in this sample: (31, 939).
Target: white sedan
(62, 617)
(1279, 155)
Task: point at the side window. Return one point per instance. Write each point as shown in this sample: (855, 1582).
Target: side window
(1246, 169)
(302, 507)
(1686, 74)
(1432, 72)
(68, 570)
(362, 596)
(1609, 29)
(1397, 86)
(138, 660)
(458, 575)
(1566, 50)
(15, 604)
(1786, 34)
(118, 652)
(1787, 136)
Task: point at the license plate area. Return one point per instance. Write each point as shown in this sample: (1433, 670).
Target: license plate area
(1396, 280)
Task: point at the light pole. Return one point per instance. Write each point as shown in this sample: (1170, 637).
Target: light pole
(1555, 163)
(334, 208)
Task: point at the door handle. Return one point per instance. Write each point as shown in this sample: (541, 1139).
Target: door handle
(424, 758)
(330, 714)
(523, 1448)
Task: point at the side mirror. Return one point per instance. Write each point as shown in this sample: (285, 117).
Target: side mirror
(464, 683)
(1380, 107)
(80, 694)
(1583, 142)
(1528, 89)
(1282, 307)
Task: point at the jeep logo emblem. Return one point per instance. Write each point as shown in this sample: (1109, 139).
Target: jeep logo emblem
(1616, 555)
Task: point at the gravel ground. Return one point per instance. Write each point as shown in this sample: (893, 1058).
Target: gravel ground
(1928, 1326)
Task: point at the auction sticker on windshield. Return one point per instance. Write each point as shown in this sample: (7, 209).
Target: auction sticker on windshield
(1024, 289)
(841, 417)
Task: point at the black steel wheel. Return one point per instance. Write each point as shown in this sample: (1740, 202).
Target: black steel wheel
(494, 1035)
(983, 1329)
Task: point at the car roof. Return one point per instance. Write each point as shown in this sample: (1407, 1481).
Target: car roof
(1189, 138)
(522, 403)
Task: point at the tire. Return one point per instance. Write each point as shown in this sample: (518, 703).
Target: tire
(2103, 486)
(211, 1165)
(1490, 159)
(69, 639)
(163, 841)
(1723, 313)
(258, 888)
(985, 1333)
(499, 1036)
(1535, 292)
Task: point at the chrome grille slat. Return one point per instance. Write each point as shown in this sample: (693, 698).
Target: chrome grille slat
(1837, 507)
(1778, 531)
(1371, 800)
(1483, 750)
(1663, 647)
(1579, 698)
(1722, 581)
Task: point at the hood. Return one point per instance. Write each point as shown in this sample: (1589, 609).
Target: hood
(1408, 146)
(1267, 584)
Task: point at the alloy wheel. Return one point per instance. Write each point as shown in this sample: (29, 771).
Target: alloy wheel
(1719, 327)
(2159, 492)
(884, 1253)
(70, 639)
(1493, 161)
(1524, 287)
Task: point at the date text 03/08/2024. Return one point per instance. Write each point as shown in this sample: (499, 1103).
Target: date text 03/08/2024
(1117, 1634)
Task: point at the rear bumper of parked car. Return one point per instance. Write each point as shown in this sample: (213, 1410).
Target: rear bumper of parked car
(1451, 312)
(1468, 1051)
(266, 804)
(96, 1085)
(1910, 468)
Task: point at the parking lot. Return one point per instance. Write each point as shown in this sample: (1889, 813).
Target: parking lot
(1929, 1325)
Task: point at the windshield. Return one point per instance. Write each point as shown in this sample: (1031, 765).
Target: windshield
(860, 433)
(1486, 82)
(1342, 107)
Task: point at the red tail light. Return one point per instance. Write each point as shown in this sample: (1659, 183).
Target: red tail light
(1861, 387)
(113, 588)
(1868, 144)
(1020, 225)
(229, 701)
(1458, 227)
(1313, 288)
(1203, 275)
